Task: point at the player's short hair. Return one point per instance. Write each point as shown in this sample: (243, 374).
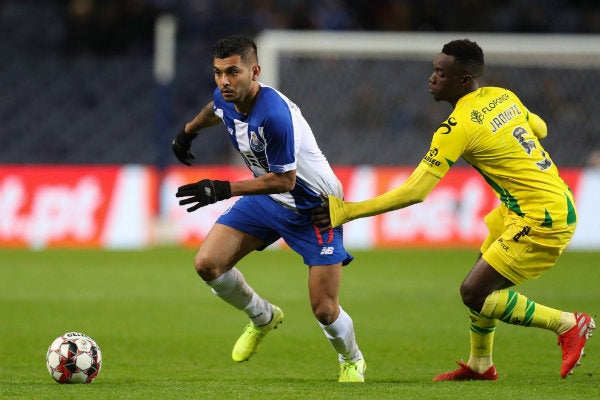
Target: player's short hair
(468, 54)
(236, 45)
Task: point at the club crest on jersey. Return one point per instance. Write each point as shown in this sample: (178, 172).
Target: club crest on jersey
(255, 144)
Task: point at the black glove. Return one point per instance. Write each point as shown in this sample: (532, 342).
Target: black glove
(203, 193)
(182, 145)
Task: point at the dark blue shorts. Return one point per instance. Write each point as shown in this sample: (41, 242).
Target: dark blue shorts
(264, 218)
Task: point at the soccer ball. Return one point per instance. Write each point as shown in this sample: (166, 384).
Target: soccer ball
(74, 358)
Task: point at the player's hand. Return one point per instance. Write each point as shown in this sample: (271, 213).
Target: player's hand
(320, 215)
(182, 145)
(203, 193)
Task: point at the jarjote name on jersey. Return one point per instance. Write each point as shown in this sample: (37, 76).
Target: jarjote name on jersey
(504, 116)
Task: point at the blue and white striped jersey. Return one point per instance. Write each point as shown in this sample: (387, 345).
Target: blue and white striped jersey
(275, 137)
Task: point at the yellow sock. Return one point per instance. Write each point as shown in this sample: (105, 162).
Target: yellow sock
(514, 308)
(482, 341)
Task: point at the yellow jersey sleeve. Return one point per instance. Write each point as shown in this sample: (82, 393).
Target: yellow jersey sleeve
(447, 145)
(538, 126)
(413, 190)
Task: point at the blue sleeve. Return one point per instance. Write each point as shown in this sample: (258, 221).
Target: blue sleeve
(279, 137)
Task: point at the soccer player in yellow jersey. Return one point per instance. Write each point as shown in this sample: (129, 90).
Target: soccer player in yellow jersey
(494, 132)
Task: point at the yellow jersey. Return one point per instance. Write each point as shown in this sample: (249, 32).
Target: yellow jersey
(492, 130)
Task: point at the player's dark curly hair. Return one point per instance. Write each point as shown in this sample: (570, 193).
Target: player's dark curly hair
(236, 45)
(468, 54)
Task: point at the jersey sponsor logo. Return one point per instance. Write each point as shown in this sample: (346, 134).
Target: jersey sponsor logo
(477, 117)
(256, 163)
(494, 103)
(327, 250)
(446, 127)
(504, 117)
(430, 159)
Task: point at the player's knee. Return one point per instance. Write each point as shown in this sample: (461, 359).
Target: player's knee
(471, 296)
(325, 313)
(205, 267)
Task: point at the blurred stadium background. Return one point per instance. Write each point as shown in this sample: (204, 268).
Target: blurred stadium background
(78, 85)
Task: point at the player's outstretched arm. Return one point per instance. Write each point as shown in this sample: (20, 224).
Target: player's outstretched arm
(414, 190)
(269, 183)
(206, 191)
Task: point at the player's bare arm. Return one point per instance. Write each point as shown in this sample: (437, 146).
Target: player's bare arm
(270, 183)
(204, 119)
(182, 144)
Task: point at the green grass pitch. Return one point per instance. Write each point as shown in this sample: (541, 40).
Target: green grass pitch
(164, 335)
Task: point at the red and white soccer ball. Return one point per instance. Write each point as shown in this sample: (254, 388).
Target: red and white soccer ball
(74, 358)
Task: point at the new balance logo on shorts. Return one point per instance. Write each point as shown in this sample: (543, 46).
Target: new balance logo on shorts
(327, 251)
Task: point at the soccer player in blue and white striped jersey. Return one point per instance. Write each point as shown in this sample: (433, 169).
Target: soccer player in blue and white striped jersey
(290, 174)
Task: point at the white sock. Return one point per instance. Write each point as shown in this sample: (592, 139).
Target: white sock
(232, 287)
(259, 310)
(480, 363)
(341, 336)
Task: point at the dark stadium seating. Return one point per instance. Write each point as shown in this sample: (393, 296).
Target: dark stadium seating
(67, 103)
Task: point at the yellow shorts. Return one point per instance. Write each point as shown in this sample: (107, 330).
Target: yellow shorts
(518, 248)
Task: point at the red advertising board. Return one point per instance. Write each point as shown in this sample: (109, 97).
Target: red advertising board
(127, 207)
(69, 206)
